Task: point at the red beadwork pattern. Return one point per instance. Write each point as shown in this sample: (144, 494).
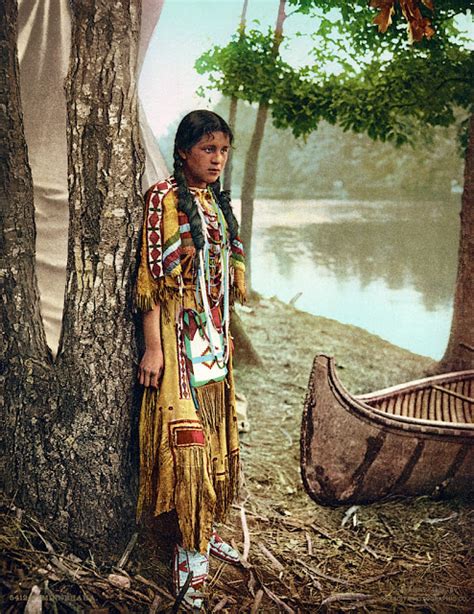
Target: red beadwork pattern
(153, 229)
(153, 219)
(184, 391)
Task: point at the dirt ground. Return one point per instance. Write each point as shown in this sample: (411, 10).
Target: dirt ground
(398, 556)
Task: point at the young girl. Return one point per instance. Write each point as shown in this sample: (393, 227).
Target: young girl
(191, 270)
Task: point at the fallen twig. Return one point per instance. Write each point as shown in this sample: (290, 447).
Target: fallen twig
(155, 604)
(182, 593)
(246, 533)
(367, 548)
(217, 575)
(127, 551)
(152, 585)
(277, 600)
(257, 601)
(316, 572)
(381, 576)
(437, 520)
(322, 532)
(251, 583)
(273, 560)
(346, 597)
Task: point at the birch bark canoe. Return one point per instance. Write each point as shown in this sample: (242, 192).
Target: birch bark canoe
(412, 439)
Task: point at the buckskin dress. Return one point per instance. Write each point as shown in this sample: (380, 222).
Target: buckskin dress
(189, 448)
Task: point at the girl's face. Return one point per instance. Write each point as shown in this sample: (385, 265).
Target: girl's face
(205, 161)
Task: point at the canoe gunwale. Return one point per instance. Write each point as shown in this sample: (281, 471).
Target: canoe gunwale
(413, 386)
(356, 405)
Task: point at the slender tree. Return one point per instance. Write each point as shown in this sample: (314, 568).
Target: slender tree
(249, 182)
(233, 107)
(69, 421)
(460, 351)
(248, 68)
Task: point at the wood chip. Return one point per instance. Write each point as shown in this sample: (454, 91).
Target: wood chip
(34, 605)
(221, 605)
(119, 581)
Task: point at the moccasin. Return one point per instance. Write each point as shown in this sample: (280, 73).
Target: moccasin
(185, 562)
(222, 550)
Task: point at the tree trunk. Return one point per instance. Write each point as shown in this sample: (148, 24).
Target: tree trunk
(25, 359)
(459, 354)
(228, 168)
(249, 181)
(70, 422)
(233, 108)
(244, 352)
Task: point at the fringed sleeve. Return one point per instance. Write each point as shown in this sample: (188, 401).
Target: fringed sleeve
(237, 259)
(159, 270)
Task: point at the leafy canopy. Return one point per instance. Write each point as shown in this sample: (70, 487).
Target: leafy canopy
(364, 80)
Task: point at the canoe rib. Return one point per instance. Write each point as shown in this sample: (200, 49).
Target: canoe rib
(356, 449)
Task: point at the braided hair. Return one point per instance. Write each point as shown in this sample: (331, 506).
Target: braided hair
(191, 129)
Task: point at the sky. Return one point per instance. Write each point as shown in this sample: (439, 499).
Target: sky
(187, 29)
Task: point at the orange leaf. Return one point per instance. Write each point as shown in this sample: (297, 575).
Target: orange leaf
(418, 26)
(384, 18)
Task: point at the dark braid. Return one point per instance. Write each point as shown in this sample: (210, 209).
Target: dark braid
(223, 199)
(192, 128)
(187, 204)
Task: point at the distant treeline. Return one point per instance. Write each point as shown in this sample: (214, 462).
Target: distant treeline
(337, 164)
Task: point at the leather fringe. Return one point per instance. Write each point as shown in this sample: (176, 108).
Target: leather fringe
(212, 406)
(194, 499)
(159, 293)
(227, 490)
(150, 427)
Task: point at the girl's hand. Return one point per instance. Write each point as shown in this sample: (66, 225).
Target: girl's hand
(151, 368)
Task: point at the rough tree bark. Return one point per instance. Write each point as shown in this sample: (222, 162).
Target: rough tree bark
(459, 353)
(70, 421)
(249, 181)
(25, 359)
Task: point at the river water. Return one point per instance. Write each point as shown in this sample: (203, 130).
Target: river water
(388, 267)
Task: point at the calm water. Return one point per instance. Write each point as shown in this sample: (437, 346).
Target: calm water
(387, 267)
